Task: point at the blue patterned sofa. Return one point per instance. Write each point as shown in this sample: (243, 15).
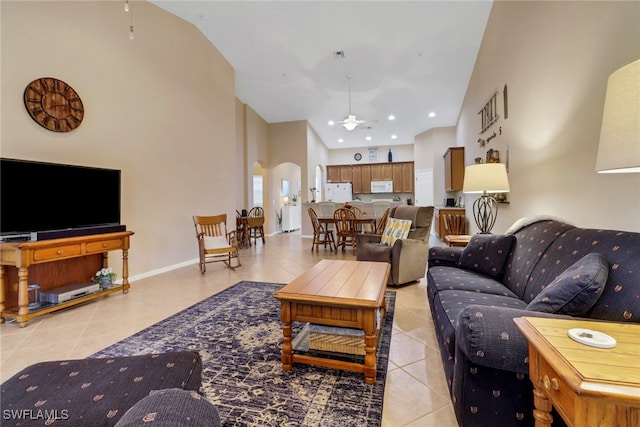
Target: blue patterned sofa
(540, 267)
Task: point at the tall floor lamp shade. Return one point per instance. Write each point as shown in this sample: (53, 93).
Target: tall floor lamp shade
(485, 178)
(619, 147)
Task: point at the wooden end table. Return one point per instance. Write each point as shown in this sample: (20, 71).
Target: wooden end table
(588, 386)
(336, 293)
(461, 240)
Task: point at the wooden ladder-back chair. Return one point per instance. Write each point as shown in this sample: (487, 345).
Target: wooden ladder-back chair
(454, 224)
(345, 230)
(382, 222)
(255, 223)
(321, 234)
(215, 243)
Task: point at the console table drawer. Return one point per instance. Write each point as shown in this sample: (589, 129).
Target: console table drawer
(104, 246)
(57, 252)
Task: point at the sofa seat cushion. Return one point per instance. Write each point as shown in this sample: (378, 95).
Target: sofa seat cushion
(576, 290)
(452, 278)
(487, 254)
(96, 392)
(449, 304)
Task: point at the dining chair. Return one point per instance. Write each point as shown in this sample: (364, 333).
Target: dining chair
(321, 233)
(454, 224)
(255, 224)
(345, 231)
(382, 222)
(215, 243)
(242, 230)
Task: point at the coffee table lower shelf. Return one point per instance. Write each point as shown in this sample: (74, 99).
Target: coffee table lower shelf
(328, 359)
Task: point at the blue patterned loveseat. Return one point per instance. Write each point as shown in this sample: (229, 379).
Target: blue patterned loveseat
(539, 267)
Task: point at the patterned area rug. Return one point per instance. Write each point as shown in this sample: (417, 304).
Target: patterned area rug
(238, 335)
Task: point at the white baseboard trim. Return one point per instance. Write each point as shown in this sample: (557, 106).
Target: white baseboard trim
(162, 270)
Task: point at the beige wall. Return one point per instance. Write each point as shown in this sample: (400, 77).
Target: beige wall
(161, 113)
(555, 58)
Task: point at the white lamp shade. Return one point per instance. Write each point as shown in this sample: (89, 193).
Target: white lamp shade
(619, 148)
(489, 177)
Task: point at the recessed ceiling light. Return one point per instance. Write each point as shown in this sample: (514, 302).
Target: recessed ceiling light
(340, 140)
(432, 114)
(331, 122)
(394, 136)
(392, 117)
(368, 138)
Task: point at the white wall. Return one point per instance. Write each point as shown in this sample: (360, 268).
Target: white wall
(555, 58)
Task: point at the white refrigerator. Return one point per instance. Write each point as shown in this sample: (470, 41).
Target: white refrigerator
(340, 192)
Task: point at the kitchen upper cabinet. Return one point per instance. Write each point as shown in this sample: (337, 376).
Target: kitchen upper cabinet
(361, 179)
(454, 169)
(356, 179)
(345, 173)
(366, 178)
(401, 173)
(408, 177)
(333, 174)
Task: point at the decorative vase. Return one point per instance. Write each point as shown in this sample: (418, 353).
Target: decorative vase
(105, 283)
(390, 156)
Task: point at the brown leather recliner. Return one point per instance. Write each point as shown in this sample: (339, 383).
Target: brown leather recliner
(408, 257)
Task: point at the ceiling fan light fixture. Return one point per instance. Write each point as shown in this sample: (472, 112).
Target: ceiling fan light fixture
(350, 125)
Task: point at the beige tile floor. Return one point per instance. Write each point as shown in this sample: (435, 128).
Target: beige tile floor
(415, 393)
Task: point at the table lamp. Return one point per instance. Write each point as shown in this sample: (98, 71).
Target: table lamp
(485, 178)
(619, 147)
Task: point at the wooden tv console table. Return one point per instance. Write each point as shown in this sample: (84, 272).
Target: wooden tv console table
(55, 263)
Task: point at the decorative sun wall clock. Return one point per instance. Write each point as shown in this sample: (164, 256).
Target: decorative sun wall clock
(53, 104)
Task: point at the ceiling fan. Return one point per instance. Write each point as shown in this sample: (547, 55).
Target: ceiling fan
(351, 121)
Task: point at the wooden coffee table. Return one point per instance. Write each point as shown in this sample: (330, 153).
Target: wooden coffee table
(336, 293)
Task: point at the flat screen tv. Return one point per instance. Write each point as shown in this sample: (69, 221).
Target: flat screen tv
(40, 200)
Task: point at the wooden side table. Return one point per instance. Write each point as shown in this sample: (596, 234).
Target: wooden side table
(459, 240)
(588, 386)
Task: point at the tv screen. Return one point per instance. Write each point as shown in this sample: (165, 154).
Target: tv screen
(38, 196)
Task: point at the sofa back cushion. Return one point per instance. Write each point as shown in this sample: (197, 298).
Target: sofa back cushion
(620, 300)
(531, 243)
(487, 254)
(576, 290)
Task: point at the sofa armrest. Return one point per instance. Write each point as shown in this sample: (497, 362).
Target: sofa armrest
(489, 337)
(444, 256)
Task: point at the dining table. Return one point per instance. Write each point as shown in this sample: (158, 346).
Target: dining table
(359, 222)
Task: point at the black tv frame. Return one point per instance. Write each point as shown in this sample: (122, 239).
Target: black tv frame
(43, 200)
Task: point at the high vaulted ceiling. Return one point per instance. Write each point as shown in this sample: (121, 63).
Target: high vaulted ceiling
(406, 58)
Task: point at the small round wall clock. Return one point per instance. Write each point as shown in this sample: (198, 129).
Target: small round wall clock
(53, 104)
(357, 157)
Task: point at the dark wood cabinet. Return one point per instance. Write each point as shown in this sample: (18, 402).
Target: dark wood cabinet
(454, 169)
(401, 173)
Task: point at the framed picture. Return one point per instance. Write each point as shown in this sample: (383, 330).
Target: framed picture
(373, 154)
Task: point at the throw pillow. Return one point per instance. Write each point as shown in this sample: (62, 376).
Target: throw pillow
(394, 230)
(576, 290)
(487, 254)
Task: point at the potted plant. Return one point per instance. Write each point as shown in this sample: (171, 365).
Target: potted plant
(105, 278)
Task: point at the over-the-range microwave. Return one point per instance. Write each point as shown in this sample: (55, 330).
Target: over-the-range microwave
(382, 186)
